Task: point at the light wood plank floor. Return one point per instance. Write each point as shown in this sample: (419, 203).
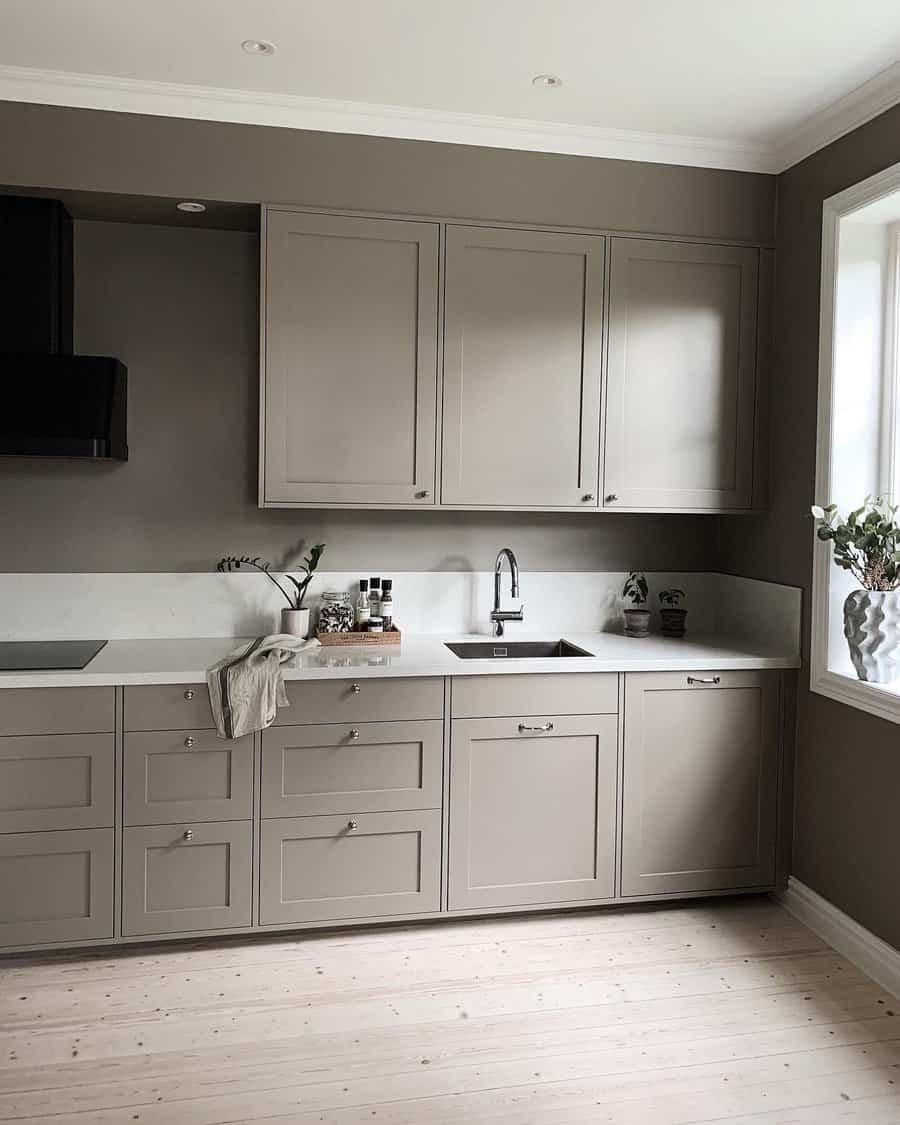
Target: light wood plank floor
(725, 1011)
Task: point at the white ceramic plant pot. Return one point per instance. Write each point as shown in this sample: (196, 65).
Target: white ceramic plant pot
(295, 622)
(872, 629)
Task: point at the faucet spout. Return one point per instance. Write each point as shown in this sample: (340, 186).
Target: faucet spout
(499, 616)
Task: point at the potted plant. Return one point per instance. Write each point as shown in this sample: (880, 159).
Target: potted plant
(866, 544)
(294, 619)
(637, 618)
(671, 615)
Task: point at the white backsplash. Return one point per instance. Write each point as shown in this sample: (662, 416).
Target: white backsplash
(129, 605)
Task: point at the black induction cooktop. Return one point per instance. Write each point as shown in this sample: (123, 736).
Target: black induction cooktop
(47, 656)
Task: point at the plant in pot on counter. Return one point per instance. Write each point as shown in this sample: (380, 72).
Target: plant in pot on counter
(295, 618)
(867, 544)
(637, 618)
(671, 615)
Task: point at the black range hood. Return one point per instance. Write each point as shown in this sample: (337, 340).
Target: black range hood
(52, 403)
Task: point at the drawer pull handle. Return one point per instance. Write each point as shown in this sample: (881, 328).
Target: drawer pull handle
(189, 742)
(354, 734)
(352, 825)
(545, 728)
(700, 680)
(189, 694)
(189, 834)
(355, 689)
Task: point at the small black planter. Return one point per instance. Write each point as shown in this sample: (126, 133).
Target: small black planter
(673, 622)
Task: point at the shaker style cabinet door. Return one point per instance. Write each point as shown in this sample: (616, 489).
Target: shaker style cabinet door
(681, 381)
(532, 810)
(349, 356)
(523, 328)
(700, 781)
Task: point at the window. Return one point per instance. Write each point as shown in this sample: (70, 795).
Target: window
(858, 452)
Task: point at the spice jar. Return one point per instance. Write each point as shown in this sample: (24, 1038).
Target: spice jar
(376, 625)
(335, 612)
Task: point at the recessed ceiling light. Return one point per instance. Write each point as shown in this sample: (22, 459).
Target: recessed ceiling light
(546, 81)
(191, 208)
(258, 47)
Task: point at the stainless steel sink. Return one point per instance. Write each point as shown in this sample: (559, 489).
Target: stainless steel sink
(513, 650)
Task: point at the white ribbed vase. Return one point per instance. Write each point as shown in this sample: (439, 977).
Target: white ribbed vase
(872, 629)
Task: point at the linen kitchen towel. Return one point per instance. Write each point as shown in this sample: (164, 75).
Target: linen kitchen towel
(247, 687)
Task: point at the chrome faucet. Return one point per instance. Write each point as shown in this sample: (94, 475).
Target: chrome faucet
(498, 615)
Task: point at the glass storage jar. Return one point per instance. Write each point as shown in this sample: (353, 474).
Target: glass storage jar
(335, 612)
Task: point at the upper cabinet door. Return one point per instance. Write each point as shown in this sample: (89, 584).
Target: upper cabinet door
(349, 360)
(681, 384)
(522, 368)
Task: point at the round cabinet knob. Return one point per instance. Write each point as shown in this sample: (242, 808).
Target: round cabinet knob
(189, 834)
(189, 742)
(587, 498)
(352, 825)
(423, 495)
(355, 689)
(610, 498)
(354, 734)
(189, 694)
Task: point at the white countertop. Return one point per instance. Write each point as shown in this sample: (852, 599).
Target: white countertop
(183, 660)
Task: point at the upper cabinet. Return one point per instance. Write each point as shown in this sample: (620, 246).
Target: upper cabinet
(429, 364)
(681, 382)
(523, 351)
(349, 357)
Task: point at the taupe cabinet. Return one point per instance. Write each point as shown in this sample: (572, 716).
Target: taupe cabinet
(351, 808)
(187, 814)
(682, 381)
(57, 811)
(580, 371)
(380, 799)
(349, 354)
(523, 351)
(700, 781)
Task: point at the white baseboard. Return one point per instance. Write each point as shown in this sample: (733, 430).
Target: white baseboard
(875, 957)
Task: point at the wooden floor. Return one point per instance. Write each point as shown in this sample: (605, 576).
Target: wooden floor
(729, 1011)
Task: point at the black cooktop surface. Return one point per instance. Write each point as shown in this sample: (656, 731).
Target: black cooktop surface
(47, 656)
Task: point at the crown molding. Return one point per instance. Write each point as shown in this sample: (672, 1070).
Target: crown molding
(287, 111)
(841, 117)
(252, 107)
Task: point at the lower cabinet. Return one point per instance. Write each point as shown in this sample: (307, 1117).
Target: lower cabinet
(700, 781)
(56, 886)
(532, 810)
(178, 878)
(316, 868)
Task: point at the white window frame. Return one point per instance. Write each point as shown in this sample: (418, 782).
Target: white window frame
(883, 701)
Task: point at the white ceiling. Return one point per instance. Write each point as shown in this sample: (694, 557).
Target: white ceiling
(753, 84)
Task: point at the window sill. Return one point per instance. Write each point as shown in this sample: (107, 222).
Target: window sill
(882, 700)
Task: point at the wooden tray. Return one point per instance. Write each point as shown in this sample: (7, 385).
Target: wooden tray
(388, 637)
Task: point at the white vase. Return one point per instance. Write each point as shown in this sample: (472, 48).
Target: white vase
(872, 629)
(295, 622)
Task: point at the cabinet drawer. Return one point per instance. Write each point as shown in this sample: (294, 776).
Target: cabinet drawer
(551, 693)
(56, 887)
(57, 781)
(318, 868)
(373, 767)
(186, 877)
(168, 707)
(57, 710)
(174, 776)
(364, 701)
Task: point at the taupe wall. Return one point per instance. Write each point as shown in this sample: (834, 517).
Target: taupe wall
(89, 150)
(847, 832)
(180, 308)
